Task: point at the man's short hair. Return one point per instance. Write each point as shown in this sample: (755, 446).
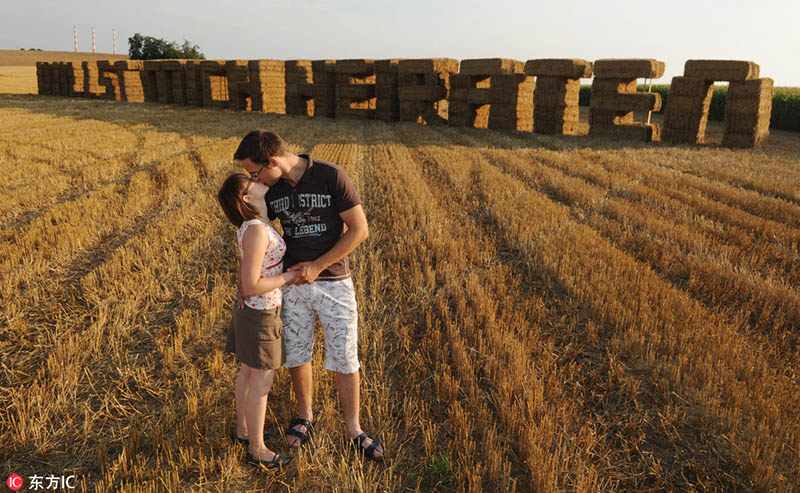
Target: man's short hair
(258, 146)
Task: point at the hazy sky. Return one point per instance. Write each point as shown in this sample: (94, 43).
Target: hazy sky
(767, 32)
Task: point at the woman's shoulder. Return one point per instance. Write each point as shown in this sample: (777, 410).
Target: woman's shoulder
(253, 227)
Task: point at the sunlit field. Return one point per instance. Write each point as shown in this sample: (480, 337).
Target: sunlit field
(537, 313)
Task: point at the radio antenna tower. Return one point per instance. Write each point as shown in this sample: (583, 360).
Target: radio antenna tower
(115, 40)
(75, 32)
(94, 45)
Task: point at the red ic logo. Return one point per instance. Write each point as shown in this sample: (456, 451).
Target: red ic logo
(14, 482)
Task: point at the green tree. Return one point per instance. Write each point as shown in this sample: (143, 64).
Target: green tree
(150, 48)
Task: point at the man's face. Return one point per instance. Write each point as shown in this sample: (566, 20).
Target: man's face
(267, 174)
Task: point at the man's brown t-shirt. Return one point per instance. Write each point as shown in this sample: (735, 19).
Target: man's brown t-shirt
(309, 214)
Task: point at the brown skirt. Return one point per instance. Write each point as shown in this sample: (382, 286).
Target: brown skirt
(256, 337)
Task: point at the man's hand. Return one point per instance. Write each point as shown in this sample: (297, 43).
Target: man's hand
(307, 272)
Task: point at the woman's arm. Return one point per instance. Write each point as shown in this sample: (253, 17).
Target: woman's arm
(254, 246)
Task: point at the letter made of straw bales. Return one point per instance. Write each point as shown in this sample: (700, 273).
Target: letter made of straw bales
(91, 81)
(239, 90)
(492, 93)
(71, 77)
(555, 99)
(194, 83)
(615, 99)
(129, 75)
(299, 92)
(268, 86)
(164, 81)
(748, 104)
(107, 77)
(423, 89)
(45, 78)
(387, 104)
(214, 84)
(355, 88)
(324, 90)
(256, 85)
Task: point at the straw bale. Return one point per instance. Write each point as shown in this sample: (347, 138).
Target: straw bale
(745, 139)
(558, 112)
(690, 86)
(642, 101)
(425, 112)
(692, 133)
(558, 86)
(425, 79)
(387, 65)
(356, 91)
(384, 91)
(642, 132)
(570, 68)
(751, 90)
(462, 81)
(613, 85)
(427, 65)
(511, 81)
(421, 93)
(91, 84)
(355, 66)
(727, 70)
(128, 65)
(598, 117)
(554, 127)
(686, 105)
(491, 66)
(628, 68)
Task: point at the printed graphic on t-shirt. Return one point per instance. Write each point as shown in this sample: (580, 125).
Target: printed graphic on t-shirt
(304, 222)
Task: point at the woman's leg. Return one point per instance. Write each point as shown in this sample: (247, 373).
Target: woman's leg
(255, 408)
(242, 385)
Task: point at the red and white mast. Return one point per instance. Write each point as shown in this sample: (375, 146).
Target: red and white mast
(94, 45)
(115, 40)
(75, 32)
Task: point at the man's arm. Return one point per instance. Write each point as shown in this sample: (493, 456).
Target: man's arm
(357, 231)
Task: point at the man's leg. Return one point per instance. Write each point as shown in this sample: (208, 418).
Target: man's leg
(298, 337)
(338, 313)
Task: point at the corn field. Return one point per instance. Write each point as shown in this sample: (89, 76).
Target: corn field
(537, 313)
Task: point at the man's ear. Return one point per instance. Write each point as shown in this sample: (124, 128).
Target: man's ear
(271, 162)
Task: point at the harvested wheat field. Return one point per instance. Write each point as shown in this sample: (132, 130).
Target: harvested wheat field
(537, 313)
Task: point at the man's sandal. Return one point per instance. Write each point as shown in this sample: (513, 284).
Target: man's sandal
(277, 462)
(303, 437)
(369, 452)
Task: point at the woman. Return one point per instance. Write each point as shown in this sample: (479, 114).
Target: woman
(255, 333)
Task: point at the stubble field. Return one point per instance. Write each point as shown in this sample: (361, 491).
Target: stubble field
(537, 313)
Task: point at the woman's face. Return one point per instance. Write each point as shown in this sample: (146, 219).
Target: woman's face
(255, 191)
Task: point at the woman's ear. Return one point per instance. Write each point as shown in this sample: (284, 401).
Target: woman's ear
(246, 199)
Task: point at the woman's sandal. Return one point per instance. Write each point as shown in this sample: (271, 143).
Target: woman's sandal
(303, 437)
(246, 441)
(369, 452)
(277, 462)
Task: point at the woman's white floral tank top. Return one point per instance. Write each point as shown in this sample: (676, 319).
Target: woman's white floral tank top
(270, 267)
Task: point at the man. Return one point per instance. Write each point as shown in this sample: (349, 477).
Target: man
(314, 200)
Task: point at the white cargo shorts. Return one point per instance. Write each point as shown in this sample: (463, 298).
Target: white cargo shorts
(334, 302)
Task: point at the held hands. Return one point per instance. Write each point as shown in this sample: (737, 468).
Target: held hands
(307, 272)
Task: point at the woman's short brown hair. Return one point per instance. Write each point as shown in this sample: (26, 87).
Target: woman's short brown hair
(230, 197)
(258, 146)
